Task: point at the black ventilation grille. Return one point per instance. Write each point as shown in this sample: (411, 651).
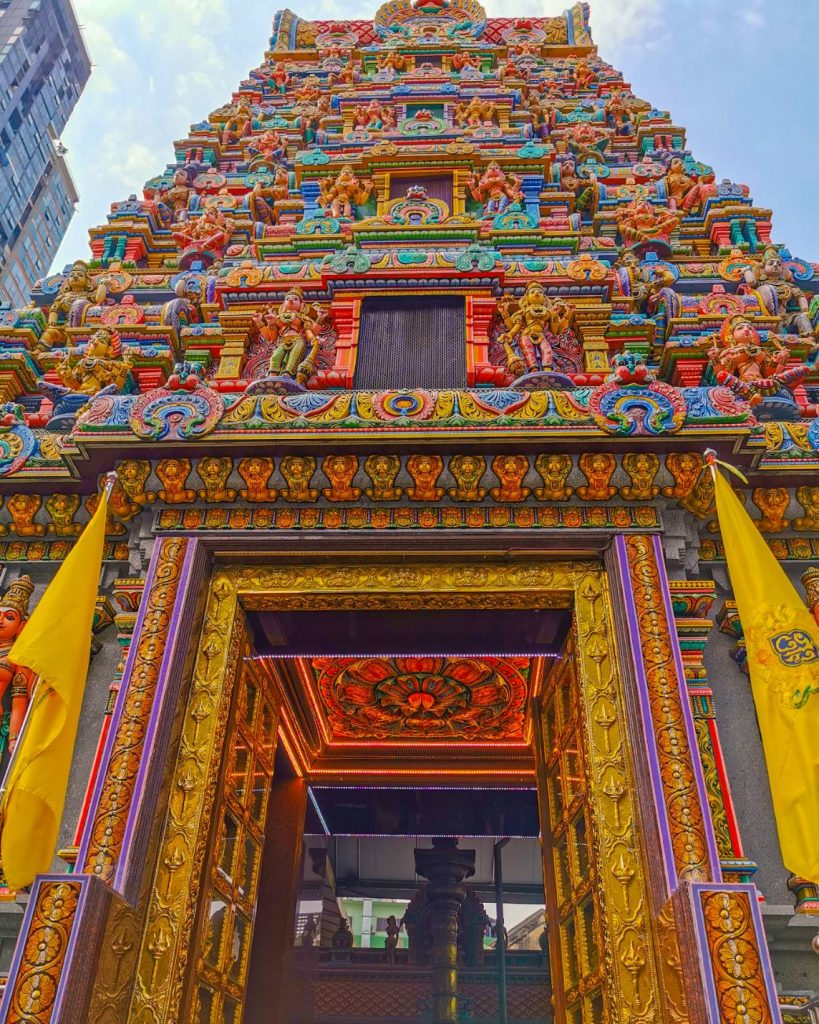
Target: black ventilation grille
(411, 342)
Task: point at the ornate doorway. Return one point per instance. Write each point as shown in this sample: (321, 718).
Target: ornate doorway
(189, 811)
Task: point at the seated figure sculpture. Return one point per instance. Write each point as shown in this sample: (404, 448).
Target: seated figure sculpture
(778, 293)
(269, 146)
(341, 196)
(208, 233)
(99, 365)
(477, 113)
(495, 189)
(174, 201)
(264, 196)
(683, 191)
(641, 222)
(294, 330)
(748, 367)
(76, 293)
(238, 124)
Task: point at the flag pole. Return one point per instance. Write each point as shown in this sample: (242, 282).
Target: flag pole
(37, 691)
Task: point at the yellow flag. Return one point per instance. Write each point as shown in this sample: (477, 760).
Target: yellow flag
(782, 641)
(56, 644)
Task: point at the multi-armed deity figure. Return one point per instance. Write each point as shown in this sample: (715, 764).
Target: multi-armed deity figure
(16, 683)
(531, 322)
(477, 113)
(374, 115)
(642, 223)
(264, 196)
(173, 202)
(341, 196)
(294, 330)
(584, 189)
(750, 368)
(683, 191)
(239, 124)
(100, 364)
(76, 293)
(778, 295)
(208, 233)
(495, 189)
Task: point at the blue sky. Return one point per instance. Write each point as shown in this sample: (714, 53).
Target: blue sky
(739, 75)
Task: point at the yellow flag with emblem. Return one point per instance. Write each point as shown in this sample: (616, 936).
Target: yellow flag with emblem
(782, 643)
(55, 644)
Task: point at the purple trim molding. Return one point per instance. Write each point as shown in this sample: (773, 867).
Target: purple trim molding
(91, 816)
(646, 726)
(710, 837)
(159, 711)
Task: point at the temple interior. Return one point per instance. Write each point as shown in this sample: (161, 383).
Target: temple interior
(396, 871)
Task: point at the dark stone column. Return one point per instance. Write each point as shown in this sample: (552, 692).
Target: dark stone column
(445, 867)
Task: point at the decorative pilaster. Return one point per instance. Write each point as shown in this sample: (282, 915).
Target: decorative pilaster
(691, 602)
(719, 951)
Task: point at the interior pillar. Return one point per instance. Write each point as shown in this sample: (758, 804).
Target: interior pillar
(279, 883)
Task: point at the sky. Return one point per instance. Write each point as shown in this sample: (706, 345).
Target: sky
(739, 75)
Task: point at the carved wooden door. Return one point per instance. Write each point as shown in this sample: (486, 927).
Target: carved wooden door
(570, 863)
(224, 930)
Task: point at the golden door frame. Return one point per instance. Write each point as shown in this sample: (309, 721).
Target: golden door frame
(632, 985)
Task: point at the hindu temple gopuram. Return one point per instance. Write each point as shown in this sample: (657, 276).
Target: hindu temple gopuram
(414, 604)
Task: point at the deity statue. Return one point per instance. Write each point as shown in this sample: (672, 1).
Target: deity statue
(530, 323)
(742, 363)
(238, 124)
(584, 189)
(100, 364)
(620, 111)
(584, 76)
(776, 289)
(641, 222)
(310, 116)
(343, 938)
(279, 77)
(76, 293)
(264, 197)
(293, 329)
(174, 201)
(269, 145)
(374, 116)
(308, 935)
(209, 232)
(391, 944)
(16, 683)
(346, 192)
(351, 73)
(647, 285)
(495, 189)
(463, 60)
(544, 114)
(477, 113)
(683, 191)
(393, 60)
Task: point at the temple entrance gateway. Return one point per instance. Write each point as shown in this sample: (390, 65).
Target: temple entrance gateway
(265, 714)
(340, 721)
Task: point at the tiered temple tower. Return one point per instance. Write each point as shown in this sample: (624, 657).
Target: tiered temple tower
(433, 313)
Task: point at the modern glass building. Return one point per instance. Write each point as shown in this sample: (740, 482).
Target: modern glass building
(43, 68)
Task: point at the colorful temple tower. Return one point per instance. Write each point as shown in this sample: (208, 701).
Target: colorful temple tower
(406, 365)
